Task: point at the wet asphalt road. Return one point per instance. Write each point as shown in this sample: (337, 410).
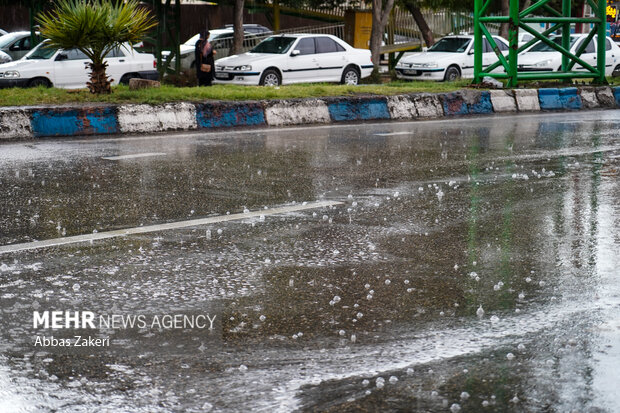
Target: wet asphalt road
(467, 265)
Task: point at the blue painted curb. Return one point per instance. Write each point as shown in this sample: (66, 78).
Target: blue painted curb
(549, 99)
(617, 95)
(454, 104)
(219, 115)
(71, 121)
(358, 109)
(481, 104)
(570, 98)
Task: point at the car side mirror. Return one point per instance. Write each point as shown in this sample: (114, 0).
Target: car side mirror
(61, 57)
(295, 53)
(471, 51)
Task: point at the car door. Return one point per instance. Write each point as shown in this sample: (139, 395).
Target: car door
(18, 49)
(302, 63)
(118, 64)
(611, 56)
(588, 55)
(332, 58)
(70, 69)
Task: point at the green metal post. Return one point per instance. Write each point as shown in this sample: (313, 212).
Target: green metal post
(566, 12)
(602, 34)
(513, 40)
(477, 41)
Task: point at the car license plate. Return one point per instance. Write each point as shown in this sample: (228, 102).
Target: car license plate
(220, 75)
(411, 72)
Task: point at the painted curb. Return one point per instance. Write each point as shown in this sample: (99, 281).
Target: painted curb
(39, 122)
(15, 124)
(527, 100)
(226, 114)
(93, 120)
(355, 108)
(297, 112)
(148, 118)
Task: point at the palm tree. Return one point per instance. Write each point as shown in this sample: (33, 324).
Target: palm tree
(95, 27)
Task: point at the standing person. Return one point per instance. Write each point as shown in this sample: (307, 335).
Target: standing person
(205, 62)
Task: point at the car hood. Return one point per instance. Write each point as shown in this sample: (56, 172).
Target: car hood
(246, 59)
(19, 64)
(428, 57)
(535, 57)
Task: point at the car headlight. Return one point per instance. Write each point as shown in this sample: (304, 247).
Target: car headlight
(11, 74)
(243, 68)
(544, 63)
(430, 65)
(402, 65)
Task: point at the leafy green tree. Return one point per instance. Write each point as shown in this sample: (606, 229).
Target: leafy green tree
(95, 27)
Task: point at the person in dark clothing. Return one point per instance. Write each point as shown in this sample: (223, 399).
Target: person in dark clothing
(205, 62)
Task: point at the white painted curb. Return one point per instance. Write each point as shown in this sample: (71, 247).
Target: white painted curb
(157, 118)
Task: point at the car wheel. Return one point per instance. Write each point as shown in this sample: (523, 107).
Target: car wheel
(39, 81)
(127, 77)
(452, 73)
(270, 77)
(350, 76)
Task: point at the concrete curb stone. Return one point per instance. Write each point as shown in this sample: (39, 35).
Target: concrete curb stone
(100, 119)
(503, 100)
(296, 112)
(527, 100)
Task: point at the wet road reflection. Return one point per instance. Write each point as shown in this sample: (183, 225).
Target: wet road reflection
(471, 267)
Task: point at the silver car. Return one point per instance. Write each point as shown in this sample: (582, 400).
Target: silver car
(16, 44)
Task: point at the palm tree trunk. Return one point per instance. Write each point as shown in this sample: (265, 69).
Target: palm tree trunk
(99, 82)
(237, 43)
(427, 33)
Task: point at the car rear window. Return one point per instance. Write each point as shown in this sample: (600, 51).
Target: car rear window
(327, 45)
(306, 46)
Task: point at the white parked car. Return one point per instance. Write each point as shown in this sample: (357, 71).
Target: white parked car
(451, 58)
(4, 58)
(48, 66)
(296, 58)
(221, 40)
(543, 58)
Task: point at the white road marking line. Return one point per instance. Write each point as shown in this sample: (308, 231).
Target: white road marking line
(393, 133)
(162, 227)
(134, 156)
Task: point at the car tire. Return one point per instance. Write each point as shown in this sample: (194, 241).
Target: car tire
(270, 77)
(39, 81)
(452, 73)
(350, 76)
(127, 77)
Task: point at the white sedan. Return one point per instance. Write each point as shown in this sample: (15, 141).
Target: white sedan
(451, 58)
(543, 58)
(48, 66)
(296, 58)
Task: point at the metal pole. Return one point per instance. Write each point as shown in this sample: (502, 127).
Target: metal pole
(513, 42)
(602, 34)
(566, 12)
(477, 41)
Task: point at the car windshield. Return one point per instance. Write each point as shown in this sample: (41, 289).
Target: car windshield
(42, 51)
(9, 38)
(543, 47)
(279, 45)
(451, 45)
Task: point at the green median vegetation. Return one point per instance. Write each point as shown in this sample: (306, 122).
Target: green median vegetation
(169, 93)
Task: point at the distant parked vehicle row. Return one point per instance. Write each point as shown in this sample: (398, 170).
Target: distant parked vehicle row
(48, 66)
(451, 58)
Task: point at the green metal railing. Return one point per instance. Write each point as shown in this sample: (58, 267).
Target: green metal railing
(559, 21)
